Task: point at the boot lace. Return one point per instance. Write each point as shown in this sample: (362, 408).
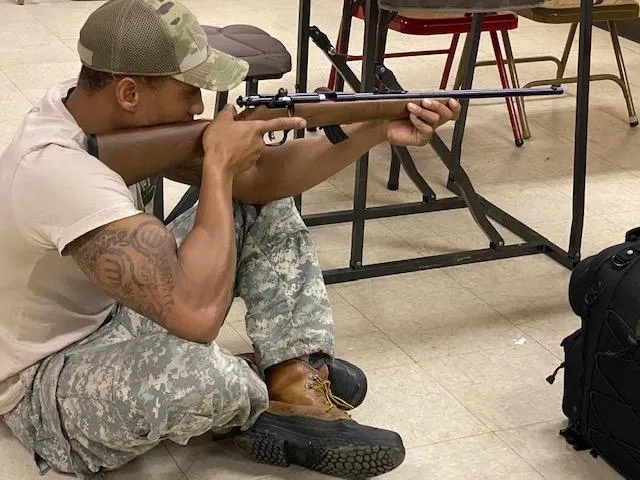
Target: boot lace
(323, 387)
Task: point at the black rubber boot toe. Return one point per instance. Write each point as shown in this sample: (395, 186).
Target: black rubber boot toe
(340, 448)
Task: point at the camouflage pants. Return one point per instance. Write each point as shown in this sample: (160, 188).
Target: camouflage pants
(119, 392)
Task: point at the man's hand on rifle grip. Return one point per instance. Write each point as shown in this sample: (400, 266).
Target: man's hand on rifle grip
(235, 145)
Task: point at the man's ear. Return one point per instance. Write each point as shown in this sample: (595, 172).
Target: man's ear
(127, 93)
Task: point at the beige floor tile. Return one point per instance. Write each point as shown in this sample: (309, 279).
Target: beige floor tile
(320, 208)
(350, 323)
(65, 23)
(550, 155)
(384, 299)
(485, 457)
(337, 237)
(425, 413)
(503, 387)
(34, 80)
(13, 103)
(445, 232)
(7, 131)
(232, 341)
(562, 123)
(324, 194)
(601, 198)
(16, 463)
(550, 329)
(236, 312)
(598, 233)
(531, 202)
(618, 148)
(55, 50)
(468, 325)
(529, 298)
(4, 430)
(543, 448)
(204, 459)
(371, 351)
(480, 276)
(157, 464)
(625, 220)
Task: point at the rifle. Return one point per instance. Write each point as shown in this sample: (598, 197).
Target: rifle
(172, 145)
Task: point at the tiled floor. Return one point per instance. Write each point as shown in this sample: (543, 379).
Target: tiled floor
(456, 357)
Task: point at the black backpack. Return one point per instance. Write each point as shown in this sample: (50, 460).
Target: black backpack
(602, 361)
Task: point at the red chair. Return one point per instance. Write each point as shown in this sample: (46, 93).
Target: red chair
(433, 24)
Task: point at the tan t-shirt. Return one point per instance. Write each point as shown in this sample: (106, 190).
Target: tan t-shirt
(51, 192)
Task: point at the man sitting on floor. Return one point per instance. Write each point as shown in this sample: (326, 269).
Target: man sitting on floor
(108, 319)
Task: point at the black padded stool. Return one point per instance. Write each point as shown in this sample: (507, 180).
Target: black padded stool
(268, 59)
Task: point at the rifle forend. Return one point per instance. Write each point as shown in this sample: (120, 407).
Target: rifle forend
(320, 110)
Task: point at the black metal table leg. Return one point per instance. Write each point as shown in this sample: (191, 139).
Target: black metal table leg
(372, 15)
(302, 63)
(302, 52)
(581, 127)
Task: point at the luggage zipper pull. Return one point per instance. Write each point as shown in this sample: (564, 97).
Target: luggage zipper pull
(552, 378)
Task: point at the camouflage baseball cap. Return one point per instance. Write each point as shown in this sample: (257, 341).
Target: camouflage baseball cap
(156, 38)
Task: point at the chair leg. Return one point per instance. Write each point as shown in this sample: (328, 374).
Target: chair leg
(515, 127)
(515, 81)
(626, 91)
(460, 74)
(567, 51)
(449, 63)
(336, 82)
(394, 169)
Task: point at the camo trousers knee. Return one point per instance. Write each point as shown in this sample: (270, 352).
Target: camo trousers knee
(116, 394)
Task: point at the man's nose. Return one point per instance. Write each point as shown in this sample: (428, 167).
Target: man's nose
(197, 107)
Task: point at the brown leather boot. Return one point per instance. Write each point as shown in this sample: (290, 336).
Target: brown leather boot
(303, 426)
(299, 387)
(346, 383)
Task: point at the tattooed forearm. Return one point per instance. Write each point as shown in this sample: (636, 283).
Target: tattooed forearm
(138, 266)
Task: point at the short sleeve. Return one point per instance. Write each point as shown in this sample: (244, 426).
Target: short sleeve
(59, 194)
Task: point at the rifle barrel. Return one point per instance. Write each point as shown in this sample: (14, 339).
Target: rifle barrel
(282, 99)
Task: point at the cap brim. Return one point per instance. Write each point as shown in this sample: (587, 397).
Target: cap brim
(219, 72)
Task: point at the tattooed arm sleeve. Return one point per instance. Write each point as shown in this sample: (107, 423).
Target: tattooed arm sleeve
(136, 261)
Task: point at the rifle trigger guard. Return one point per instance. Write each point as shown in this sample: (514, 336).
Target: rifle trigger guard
(272, 138)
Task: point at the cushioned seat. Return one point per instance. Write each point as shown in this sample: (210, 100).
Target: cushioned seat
(268, 58)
